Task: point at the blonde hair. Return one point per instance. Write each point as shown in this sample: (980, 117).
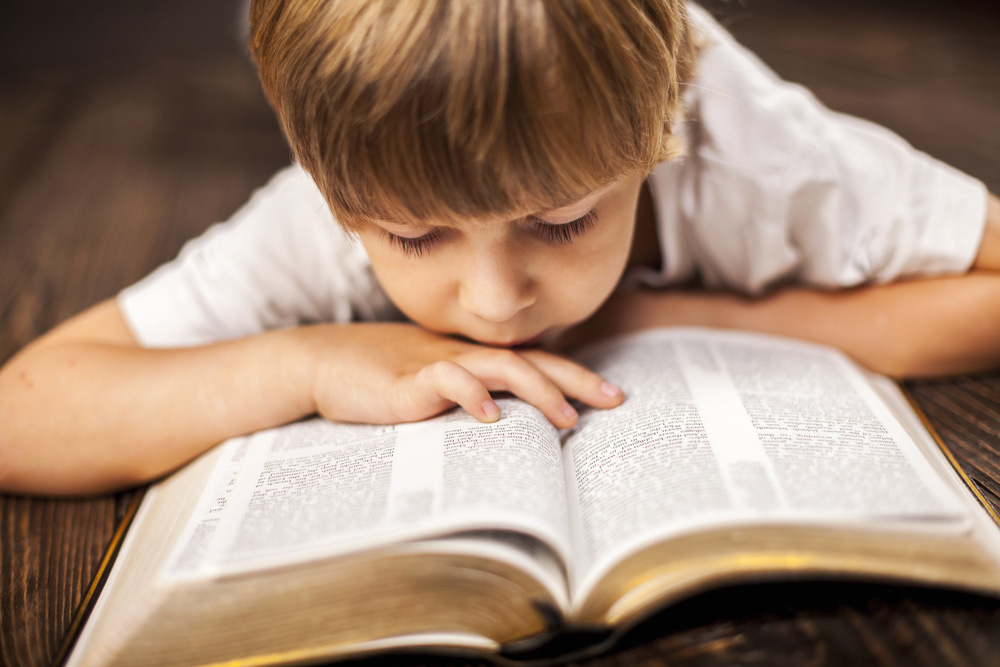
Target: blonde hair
(452, 110)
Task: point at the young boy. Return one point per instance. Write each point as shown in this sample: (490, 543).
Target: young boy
(517, 177)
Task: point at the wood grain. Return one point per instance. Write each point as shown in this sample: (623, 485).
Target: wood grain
(965, 413)
(130, 127)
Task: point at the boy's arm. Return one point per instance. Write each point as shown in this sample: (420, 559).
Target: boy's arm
(84, 409)
(913, 328)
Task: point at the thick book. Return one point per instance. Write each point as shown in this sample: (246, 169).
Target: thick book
(735, 458)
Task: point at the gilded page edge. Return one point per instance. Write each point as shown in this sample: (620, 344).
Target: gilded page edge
(100, 577)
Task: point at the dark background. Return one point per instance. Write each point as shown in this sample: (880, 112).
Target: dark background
(127, 127)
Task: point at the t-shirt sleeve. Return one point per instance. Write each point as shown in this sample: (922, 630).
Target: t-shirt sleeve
(280, 261)
(776, 187)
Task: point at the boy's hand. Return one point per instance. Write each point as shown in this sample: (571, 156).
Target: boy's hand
(390, 373)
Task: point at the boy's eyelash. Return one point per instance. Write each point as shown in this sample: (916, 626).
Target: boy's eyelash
(567, 231)
(414, 247)
(553, 233)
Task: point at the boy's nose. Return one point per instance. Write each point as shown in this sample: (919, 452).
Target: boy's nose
(494, 290)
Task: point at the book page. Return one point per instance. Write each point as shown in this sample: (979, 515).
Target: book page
(190, 549)
(316, 488)
(721, 426)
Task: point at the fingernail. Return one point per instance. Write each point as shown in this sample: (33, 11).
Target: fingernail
(610, 390)
(491, 409)
(568, 410)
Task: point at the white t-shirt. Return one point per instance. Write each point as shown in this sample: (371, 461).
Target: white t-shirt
(774, 188)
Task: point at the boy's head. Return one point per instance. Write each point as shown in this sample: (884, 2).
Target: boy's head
(460, 109)
(435, 113)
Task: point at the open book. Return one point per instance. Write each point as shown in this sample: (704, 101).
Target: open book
(736, 457)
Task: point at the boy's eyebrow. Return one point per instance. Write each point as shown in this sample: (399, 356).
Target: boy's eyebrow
(592, 196)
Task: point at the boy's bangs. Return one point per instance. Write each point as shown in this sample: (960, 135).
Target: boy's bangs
(452, 111)
(538, 162)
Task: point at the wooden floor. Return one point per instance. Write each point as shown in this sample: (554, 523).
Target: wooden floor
(127, 127)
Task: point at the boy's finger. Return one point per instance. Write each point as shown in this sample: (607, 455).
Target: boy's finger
(450, 381)
(507, 370)
(575, 380)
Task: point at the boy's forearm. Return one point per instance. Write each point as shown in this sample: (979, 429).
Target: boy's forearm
(917, 328)
(82, 417)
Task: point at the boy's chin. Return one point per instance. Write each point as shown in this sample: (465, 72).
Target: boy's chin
(532, 341)
(543, 339)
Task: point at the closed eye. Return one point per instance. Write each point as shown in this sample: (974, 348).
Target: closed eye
(414, 247)
(565, 232)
